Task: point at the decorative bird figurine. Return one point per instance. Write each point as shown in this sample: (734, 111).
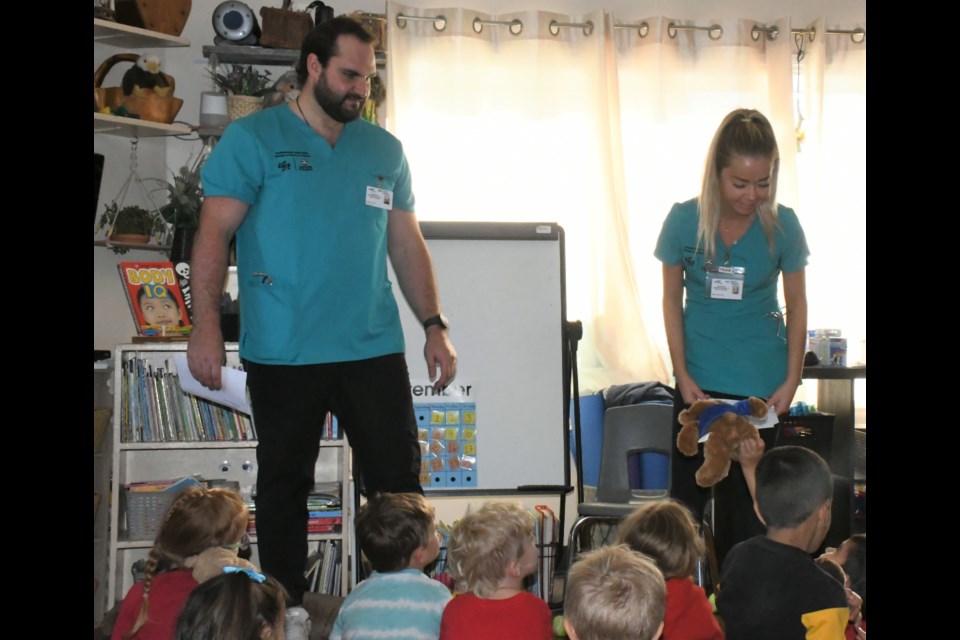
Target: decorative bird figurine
(144, 74)
(285, 89)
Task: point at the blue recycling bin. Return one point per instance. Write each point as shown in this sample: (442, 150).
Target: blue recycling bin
(591, 436)
(647, 470)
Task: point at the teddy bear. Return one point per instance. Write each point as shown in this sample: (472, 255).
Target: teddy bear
(727, 424)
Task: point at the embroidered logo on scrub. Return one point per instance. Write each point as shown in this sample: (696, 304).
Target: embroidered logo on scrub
(289, 160)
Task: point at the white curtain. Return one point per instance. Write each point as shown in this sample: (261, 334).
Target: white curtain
(675, 88)
(602, 131)
(833, 182)
(501, 126)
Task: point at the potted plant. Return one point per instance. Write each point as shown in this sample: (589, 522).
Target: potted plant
(182, 209)
(245, 87)
(131, 224)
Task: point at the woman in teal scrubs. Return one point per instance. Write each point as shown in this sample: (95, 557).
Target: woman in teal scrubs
(723, 255)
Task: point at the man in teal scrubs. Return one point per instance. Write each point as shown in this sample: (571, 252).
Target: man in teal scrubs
(317, 199)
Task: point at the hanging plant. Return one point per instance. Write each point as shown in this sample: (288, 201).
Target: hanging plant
(131, 224)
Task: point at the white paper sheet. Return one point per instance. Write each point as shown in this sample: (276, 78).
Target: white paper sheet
(233, 391)
(770, 421)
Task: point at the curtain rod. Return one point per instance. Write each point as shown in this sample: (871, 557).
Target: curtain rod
(515, 25)
(714, 31)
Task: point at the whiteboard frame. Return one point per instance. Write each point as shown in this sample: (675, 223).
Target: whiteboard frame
(503, 287)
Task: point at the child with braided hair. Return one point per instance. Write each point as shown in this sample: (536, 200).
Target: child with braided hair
(199, 536)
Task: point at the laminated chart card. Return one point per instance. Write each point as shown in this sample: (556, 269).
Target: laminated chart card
(447, 431)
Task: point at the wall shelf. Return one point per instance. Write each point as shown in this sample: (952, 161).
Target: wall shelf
(232, 53)
(136, 128)
(127, 245)
(241, 54)
(127, 37)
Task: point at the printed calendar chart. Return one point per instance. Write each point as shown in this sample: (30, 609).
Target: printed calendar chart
(447, 430)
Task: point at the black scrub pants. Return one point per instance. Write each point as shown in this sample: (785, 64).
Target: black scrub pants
(734, 519)
(372, 402)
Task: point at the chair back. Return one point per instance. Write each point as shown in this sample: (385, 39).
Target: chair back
(629, 430)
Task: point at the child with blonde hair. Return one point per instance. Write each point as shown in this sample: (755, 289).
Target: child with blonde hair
(665, 531)
(614, 592)
(199, 536)
(489, 554)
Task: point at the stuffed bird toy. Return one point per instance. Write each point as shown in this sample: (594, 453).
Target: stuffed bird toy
(144, 74)
(285, 89)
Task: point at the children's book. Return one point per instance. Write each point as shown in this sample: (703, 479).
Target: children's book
(155, 299)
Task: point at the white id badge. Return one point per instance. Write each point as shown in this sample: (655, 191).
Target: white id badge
(725, 283)
(380, 198)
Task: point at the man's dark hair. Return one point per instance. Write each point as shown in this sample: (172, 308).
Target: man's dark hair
(322, 41)
(792, 483)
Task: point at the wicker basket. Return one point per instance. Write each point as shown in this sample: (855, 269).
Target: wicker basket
(242, 106)
(145, 509)
(146, 103)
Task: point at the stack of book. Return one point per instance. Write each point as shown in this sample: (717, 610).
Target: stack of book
(439, 569)
(155, 409)
(324, 509)
(331, 428)
(546, 531)
(325, 566)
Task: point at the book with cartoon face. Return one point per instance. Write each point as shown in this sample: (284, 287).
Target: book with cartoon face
(155, 298)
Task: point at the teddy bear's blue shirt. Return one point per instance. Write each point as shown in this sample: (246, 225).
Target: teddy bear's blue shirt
(741, 408)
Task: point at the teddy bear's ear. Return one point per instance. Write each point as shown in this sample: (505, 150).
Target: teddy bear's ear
(758, 408)
(693, 411)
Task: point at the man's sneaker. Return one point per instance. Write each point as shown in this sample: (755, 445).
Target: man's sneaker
(297, 624)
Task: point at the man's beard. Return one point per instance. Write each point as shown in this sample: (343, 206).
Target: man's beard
(333, 104)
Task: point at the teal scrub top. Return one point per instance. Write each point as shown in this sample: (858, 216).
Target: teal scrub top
(734, 346)
(311, 253)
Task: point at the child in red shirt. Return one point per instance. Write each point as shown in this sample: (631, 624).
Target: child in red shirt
(665, 531)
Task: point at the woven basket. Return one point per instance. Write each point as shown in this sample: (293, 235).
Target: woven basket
(146, 103)
(242, 106)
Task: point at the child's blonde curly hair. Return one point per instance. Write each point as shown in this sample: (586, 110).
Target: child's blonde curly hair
(484, 543)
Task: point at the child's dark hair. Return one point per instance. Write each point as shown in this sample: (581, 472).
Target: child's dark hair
(233, 606)
(665, 531)
(197, 520)
(792, 483)
(391, 526)
(832, 569)
(856, 566)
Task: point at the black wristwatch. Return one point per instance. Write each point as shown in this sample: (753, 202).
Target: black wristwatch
(438, 319)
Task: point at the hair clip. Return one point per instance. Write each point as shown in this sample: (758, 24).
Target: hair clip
(253, 575)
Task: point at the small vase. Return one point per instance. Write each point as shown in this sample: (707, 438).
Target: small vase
(240, 106)
(182, 245)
